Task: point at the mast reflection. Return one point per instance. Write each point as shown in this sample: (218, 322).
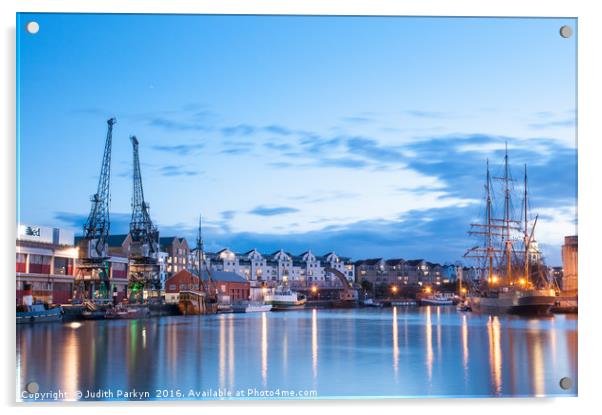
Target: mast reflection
(495, 353)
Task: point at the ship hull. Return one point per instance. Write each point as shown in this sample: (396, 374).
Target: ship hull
(513, 304)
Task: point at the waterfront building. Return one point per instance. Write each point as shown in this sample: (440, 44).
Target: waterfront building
(229, 286)
(400, 272)
(569, 265)
(269, 270)
(47, 259)
(342, 264)
(371, 270)
(449, 273)
(177, 254)
(418, 271)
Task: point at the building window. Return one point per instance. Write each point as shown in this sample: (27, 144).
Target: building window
(21, 259)
(60, 266)
(39, 264)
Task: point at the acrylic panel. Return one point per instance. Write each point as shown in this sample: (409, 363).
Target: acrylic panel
(295, 207)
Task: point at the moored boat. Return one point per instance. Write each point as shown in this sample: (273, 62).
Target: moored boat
(35, 312)
(250, 307)
(436, 300)
(283, 298)
(511, 301)
(38, 313)
(403, 303)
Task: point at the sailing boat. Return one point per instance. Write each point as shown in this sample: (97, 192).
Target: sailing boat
(201, 301)
(513, 276)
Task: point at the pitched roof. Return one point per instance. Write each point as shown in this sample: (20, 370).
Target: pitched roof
(225, 276)
(167, 240)
(396, 261)
(414, 262)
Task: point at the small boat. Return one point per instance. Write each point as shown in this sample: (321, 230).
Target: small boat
(283, 298)
(35, 312)
(463, 306)
(403, 303)
(38, 313)
(437, 299)
(250, 307)
(369, 302)
(125, 312)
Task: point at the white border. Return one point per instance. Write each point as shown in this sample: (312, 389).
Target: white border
(590, 205)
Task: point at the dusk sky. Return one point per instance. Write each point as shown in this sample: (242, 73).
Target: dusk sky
(363, 135)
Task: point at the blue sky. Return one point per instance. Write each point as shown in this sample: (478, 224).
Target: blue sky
(363, 135)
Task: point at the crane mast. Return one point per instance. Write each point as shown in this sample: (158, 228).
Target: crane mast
(144, 247)
(93, 266)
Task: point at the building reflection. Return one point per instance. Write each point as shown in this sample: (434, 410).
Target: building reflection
(314, 342)
(222, 352)
(395, 344)
(71, 367)
(429, 344)
(231, 354)
(264, 349)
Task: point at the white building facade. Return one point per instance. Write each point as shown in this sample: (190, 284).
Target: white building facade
(280, 267)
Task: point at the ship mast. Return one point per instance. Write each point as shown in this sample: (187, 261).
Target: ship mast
(508, 243)
(489, 232)
(201, 255)
(526, 229)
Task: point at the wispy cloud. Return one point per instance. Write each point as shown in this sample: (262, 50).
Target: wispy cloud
(272, 211)
(120, 222)
(228, 214)
(180, 149)
(426, 114)
(240, 129)
(277, 129)
(176, 170)
(569, 122)
(176, 125)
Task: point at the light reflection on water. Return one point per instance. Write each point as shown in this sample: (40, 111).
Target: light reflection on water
(402, 351)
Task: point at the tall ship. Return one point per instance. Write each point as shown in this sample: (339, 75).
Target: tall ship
(513, 276)
(204, 299)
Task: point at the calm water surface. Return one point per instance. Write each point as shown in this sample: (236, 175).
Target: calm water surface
(427, 351)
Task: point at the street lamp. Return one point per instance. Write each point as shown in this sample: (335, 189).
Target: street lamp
(394, 289)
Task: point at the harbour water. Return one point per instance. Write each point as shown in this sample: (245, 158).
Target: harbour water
(314, 353)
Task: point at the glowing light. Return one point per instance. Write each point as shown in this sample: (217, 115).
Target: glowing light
(522, 281)
(314, 289)
(463, 290)
(394, 289)
(494, 279)
(75, 325)
(428, 290)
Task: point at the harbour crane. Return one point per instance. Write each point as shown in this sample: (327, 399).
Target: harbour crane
(144, 247)
(93, 265)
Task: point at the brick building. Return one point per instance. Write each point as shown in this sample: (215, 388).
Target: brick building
(177, 254)
(229, 286)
